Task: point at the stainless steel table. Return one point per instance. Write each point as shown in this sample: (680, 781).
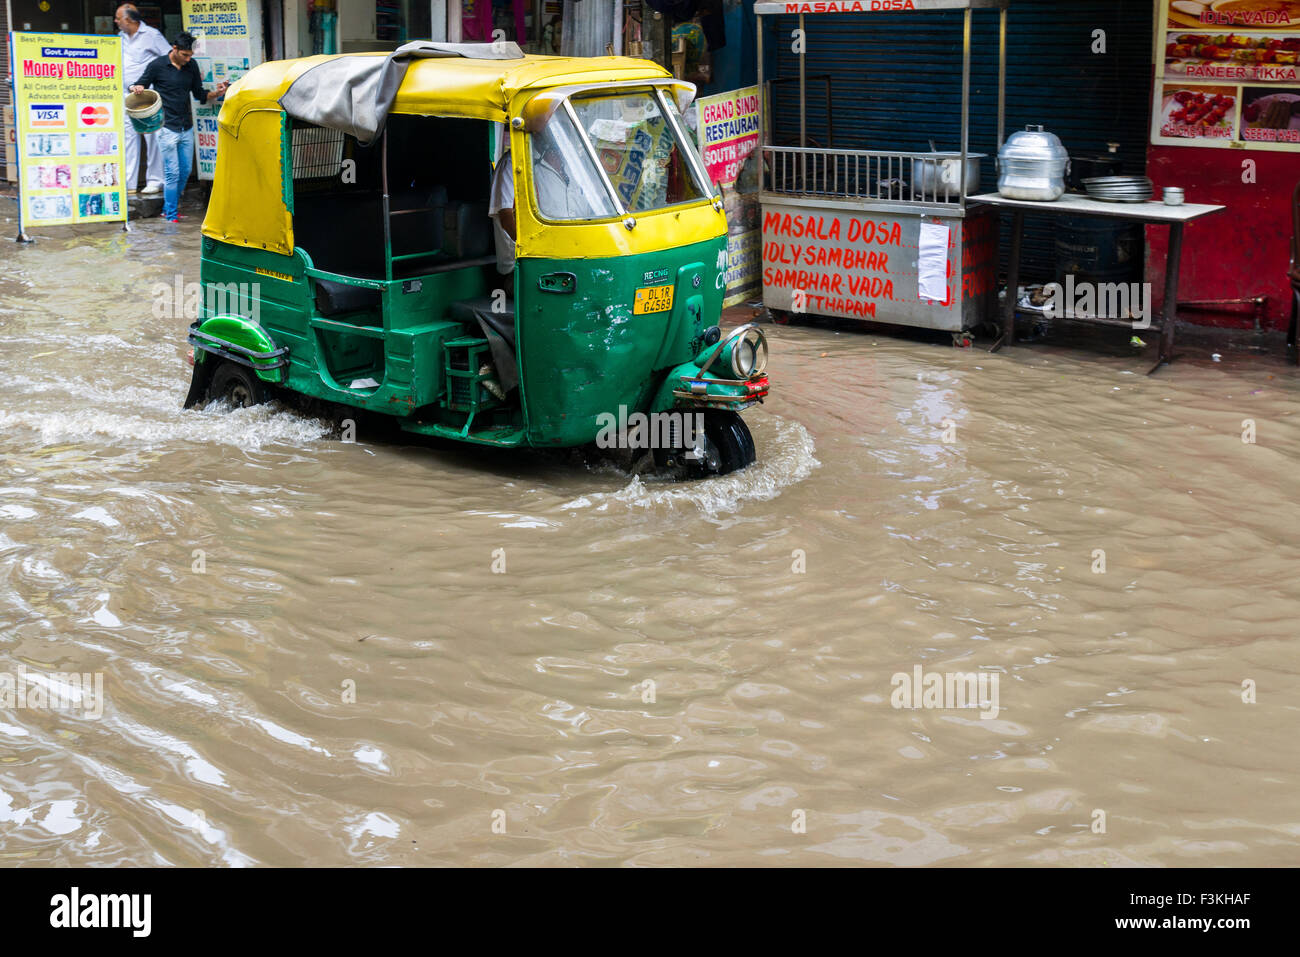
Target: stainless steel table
(1074, 205)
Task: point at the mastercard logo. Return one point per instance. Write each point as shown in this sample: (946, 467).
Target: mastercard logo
(96, 116)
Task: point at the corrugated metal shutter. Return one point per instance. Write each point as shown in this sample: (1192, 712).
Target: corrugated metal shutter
(5, 92)
(896, 82)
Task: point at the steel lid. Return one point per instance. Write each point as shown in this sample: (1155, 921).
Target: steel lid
(1033, 143)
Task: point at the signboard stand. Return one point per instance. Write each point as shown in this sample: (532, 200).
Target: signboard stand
(22, 237)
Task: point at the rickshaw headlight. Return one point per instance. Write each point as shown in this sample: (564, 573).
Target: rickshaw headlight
(749, 354)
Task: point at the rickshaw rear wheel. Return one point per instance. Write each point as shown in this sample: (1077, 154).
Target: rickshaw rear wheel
(238, 385)
(727, 447)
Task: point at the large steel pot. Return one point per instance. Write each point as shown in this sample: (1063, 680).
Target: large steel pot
(935, 174)
(1032, 165)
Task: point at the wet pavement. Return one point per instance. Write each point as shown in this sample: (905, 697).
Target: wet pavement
(308, 658)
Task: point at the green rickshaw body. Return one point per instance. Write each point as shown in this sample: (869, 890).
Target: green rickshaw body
(380, 292)
(587, 353)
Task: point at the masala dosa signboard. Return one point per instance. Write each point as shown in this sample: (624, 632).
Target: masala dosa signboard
(69, 114)
(1228, 74)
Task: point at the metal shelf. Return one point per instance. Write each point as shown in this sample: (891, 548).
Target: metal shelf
(894, 207)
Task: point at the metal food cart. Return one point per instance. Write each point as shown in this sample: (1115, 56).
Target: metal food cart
(886, 236)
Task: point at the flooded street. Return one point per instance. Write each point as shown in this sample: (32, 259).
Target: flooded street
(324, 653)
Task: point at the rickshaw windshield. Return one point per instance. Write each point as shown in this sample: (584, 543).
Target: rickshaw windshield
(638, 148)
(567, 182)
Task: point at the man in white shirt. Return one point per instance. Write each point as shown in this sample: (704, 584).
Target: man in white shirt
(501, 207)
(555, 197)
(561, 196)
(141, 45)
(558, 196)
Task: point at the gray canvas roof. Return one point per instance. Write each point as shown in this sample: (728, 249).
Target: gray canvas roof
(355, 93)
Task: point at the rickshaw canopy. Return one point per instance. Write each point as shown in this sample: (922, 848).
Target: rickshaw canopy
(250, 202)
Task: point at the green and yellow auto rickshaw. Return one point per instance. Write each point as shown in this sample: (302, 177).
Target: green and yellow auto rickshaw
(349, 256)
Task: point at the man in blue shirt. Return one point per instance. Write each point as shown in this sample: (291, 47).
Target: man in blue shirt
(176, 77)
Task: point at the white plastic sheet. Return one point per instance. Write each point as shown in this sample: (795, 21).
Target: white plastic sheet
(932, 262)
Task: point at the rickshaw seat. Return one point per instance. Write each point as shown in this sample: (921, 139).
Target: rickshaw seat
(469, 230)
(334, 298)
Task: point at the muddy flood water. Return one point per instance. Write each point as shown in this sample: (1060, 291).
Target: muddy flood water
(308, 658)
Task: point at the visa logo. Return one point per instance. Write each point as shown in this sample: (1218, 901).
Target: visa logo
(46, 115)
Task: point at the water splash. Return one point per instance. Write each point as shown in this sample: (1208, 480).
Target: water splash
(248, 429)
(785, 458)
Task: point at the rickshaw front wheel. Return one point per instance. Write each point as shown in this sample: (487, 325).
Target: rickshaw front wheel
(238, 385)
(727, 445)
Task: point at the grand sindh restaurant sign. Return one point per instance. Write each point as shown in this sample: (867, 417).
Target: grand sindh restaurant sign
(1229, 74)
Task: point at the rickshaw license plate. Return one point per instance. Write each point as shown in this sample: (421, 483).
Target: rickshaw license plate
(652, 299)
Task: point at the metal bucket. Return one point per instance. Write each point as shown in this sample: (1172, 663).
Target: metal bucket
(937, 173)
(145, 111)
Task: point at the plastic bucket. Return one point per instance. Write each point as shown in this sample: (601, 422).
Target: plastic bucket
(145, 111)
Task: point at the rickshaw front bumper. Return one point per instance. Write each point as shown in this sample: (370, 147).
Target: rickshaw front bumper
(703, 392)
(705, 383)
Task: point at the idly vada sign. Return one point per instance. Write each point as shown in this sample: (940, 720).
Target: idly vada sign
(1229, 75)
(68, 110)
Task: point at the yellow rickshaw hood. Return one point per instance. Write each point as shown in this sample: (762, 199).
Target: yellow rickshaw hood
(446, 86)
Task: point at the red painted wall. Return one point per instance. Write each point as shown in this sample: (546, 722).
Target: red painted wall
(1241, 252)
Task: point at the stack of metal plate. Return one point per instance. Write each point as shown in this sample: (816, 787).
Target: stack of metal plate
(1119, 189)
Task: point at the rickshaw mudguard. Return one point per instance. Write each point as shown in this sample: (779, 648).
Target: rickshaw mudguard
(239, 340)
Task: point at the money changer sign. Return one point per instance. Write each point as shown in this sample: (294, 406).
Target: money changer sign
(68, 112)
